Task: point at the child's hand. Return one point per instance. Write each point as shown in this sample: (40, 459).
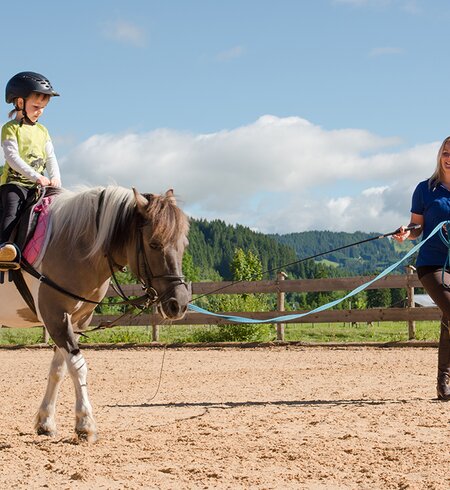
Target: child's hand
(43, 181)
(55, 182)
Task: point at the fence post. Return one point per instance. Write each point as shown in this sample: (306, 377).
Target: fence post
(411, 303)
(281, 276)
(45, 335)
(155, 326)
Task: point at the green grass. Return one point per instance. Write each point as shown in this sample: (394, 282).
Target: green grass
(305, 332)
(20, 336)
(328, 262)
(378, 332)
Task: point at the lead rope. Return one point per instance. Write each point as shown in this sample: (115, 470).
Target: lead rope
(160, 373)
(446, 242)
(285, 266)
(279, 319)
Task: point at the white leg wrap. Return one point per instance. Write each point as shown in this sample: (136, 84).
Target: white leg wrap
(85, 424)
(45, 418)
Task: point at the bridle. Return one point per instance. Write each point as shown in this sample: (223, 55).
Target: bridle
(145, 276)
(151, 296)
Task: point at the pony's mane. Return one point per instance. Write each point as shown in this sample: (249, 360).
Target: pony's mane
(105, 219)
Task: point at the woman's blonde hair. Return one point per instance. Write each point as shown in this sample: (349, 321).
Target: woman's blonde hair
(437, 176)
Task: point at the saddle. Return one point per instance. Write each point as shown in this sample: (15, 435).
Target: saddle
(25, 228)
(21, 236)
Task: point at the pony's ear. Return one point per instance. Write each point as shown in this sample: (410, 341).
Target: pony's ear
(170, 196)
(141, 201)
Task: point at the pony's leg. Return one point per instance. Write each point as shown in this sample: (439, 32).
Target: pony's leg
(85, 426)
(45, 418)
(67, 344)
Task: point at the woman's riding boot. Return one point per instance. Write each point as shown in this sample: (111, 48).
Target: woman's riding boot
(443, 379)
(443, 386)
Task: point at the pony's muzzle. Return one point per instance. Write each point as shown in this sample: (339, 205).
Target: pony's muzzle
(173, 309)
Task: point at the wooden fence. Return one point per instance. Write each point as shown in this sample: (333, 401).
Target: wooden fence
(280, 287)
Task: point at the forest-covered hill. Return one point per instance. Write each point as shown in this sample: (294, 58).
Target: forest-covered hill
(367, 258)
(212, 245)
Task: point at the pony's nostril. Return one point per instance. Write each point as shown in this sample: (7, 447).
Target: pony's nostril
(173, 307)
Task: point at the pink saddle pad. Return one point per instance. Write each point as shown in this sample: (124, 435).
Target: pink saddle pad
(36, 246)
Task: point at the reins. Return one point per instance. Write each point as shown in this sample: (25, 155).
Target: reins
(142, 302)
(27, 267)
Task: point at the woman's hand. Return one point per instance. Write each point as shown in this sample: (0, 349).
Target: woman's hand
(412, 231)
(402, 234)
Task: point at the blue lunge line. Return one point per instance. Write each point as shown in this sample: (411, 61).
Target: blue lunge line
(240, 319)
(447, 243)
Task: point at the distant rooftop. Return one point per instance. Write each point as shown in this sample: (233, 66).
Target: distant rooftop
(423, 300)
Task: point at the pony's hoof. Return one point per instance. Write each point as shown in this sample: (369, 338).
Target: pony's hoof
(42, 431)
(84, 436)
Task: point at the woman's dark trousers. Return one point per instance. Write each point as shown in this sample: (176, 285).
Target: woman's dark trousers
(432, 282)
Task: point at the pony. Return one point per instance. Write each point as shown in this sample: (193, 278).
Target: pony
(93, 233)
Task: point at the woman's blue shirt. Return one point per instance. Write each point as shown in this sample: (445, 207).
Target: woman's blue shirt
(434, 205)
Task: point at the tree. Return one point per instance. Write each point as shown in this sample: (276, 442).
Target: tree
(245, 266)
(398, 298)
(378, 298)
(190, 271)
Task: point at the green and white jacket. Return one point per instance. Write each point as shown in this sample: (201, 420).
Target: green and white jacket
(28, 153)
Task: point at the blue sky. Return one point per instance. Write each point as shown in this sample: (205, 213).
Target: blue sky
(283, 116)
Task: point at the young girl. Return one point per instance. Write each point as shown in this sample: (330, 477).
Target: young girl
(28, 152)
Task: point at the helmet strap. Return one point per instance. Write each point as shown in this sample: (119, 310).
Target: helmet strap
(25, 117)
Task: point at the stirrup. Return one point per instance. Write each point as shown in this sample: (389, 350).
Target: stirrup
(9, 266)
(12, 259)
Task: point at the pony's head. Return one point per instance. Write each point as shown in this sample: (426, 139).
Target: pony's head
(161, 238)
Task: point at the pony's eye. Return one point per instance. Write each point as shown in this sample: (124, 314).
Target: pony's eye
(155, 245)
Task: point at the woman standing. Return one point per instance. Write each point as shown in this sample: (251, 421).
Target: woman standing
(430, 206)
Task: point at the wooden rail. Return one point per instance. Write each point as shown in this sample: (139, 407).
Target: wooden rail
(280, 286)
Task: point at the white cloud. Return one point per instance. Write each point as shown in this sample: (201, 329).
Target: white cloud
(352, 2)
(385, 51)
(276, 174)
(229, 54)
(364, 211)
(409, 6)
(361, 3)
(125, 32)
(412, 7)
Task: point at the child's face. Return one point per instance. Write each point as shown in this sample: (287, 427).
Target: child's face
(35, 105)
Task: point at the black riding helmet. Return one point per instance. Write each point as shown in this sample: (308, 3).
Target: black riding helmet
(25, 82)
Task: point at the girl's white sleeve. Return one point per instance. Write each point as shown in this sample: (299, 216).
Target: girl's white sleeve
(12, 157)
(52, 163)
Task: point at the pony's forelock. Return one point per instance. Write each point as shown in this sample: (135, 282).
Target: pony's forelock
(167, 220)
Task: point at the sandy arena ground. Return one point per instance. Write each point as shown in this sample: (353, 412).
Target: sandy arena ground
(274, 418)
